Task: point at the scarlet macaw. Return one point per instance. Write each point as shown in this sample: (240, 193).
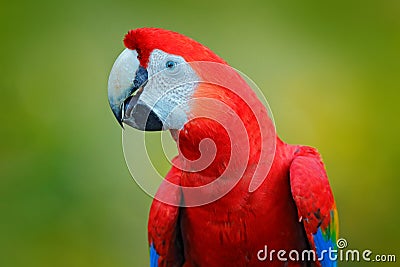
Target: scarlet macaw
(155, 85)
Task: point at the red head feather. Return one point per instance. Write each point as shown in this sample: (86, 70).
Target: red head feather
(145, 40)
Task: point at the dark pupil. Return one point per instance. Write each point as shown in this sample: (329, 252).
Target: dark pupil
(170, 64)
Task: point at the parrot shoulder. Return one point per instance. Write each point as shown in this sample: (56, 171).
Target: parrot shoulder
(315, 203)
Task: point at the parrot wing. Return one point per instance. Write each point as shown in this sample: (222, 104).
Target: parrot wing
(315, 204)
(165, 241)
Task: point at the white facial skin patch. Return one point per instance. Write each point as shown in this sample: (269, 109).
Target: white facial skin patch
(170, 86)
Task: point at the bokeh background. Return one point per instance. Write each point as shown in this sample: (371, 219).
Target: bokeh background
(330, 72)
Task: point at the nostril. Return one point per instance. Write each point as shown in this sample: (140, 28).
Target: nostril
(136, 84)
(140, 77)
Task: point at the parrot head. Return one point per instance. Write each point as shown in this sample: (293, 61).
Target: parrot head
(166, 81)
(152, 82)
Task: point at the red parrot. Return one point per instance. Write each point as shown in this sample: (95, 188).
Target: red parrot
(238, 213)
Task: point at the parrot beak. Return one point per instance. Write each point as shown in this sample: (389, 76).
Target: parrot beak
(121, 82)
(125, 84)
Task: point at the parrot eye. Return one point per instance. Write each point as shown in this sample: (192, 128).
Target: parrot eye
(170, 64)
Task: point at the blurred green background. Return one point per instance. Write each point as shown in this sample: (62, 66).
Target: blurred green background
(329, 71)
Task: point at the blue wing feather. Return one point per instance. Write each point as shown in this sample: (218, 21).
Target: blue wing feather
(153, 256)
(322, 247)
